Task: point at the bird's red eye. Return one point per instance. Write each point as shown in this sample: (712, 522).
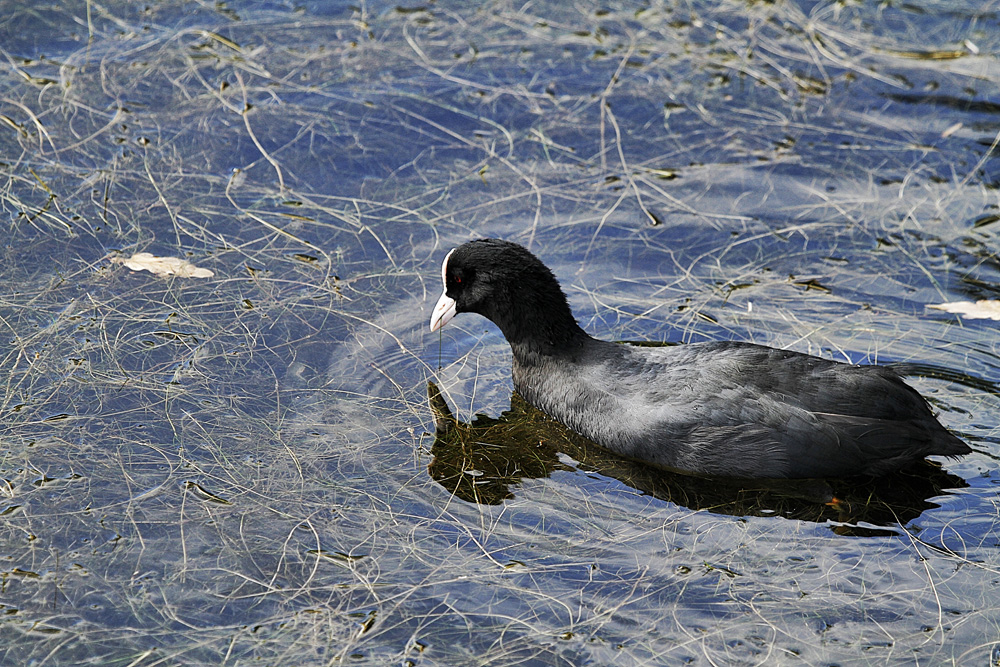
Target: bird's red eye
(458, 279)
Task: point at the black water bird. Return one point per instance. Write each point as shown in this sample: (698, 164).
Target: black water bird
(727, 409)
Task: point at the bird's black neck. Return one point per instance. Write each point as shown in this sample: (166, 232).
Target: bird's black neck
(539, 324)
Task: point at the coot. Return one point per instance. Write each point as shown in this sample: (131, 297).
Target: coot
(726, 409)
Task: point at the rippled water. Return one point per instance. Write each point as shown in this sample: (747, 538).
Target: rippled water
(245, 468)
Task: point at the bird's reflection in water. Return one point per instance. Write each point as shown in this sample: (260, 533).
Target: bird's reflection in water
(483, 461)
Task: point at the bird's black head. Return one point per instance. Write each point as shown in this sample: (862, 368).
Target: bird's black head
(505, 283)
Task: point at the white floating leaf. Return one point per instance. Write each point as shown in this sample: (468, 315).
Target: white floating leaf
(980, 310)
(952, 129)
(163, 266)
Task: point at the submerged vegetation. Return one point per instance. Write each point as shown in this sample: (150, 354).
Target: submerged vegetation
(244, 467)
